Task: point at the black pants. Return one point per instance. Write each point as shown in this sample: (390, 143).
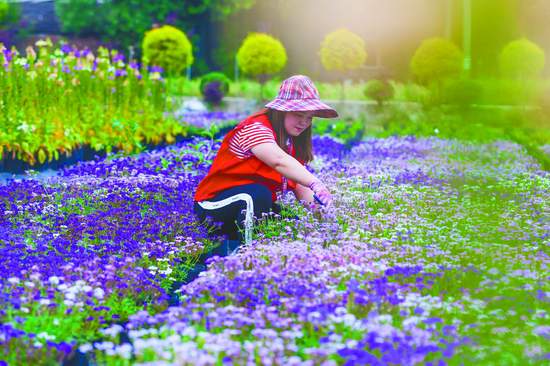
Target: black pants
(236, 207)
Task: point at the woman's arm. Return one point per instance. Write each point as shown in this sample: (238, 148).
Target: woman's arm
(272, 155)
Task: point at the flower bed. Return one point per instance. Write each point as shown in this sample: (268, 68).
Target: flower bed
(54, 101)
(436, 253)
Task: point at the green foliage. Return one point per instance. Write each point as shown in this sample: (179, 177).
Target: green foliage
(218, 9)
(125, 22)
(218, 77)
(80, 16)
(9, 13)
(436, 59)
(346, 130)
(512, 91)
(342, 50)
(462, 92)
(521, 59)
(4, 6)
(379, 90)
(261, 54)
(169, 48)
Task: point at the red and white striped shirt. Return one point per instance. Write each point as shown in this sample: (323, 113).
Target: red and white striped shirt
(248, 137)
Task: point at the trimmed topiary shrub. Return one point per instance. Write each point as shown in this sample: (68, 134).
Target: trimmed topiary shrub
(261, 55)
(169, 48)
(212, 93)
(521, 59)
(342, 50)
(214, 86)
(379, 90)
(435, 60)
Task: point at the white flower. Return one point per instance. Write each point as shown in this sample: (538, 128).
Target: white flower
(112, 331)
(54, 280)
(68, 303)
(45, 302)
(125, 351)
(85, 348)
(45, 336)
(99, 293)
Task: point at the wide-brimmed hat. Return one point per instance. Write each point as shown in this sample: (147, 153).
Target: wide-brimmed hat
(297, 93)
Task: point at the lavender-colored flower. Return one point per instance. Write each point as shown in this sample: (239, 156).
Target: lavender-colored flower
(153, 69)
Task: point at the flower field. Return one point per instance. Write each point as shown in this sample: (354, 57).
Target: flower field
(436, 253)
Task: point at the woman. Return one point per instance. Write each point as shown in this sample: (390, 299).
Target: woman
(261, 157)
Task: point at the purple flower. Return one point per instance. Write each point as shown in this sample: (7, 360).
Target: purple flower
(155, 69)
(118, 57)
(120, 72)
(66, 48)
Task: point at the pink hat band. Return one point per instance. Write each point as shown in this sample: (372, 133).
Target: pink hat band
(298, 94)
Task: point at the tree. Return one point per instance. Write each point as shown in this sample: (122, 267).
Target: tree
(4, 8)
(126, 21)
(522, 59)
(169, 48)
(261, 55)
(342, 51)
(435, 60)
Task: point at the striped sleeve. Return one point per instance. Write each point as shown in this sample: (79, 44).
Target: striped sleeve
(248, 137)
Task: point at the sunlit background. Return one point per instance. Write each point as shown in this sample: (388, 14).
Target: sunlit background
(391, 29)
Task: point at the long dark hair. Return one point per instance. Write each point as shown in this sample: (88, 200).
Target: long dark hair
(302, 143)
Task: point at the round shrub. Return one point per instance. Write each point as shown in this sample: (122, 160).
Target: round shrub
(342, 50)
(212, 93)
(462, 92)
(436, 59)
(169, 48)
(379, 90)
(521, 59)
(261, 54)
(222, 80)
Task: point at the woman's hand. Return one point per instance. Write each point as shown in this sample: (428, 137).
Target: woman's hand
(322, 192)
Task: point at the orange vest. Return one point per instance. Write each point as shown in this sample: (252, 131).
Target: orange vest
(229, 171)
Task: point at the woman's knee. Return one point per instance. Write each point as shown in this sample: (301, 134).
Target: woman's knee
(262, 198)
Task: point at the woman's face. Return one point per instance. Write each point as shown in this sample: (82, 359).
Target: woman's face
(297, 122)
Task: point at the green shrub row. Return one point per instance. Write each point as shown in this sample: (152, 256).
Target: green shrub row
(452, 91)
